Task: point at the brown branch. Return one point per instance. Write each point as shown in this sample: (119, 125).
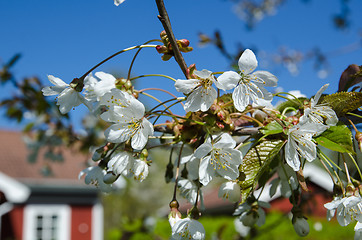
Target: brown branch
(163, 17)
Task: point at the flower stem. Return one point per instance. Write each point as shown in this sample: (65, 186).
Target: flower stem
(153, 75)
(355, 163)
(149, 95)
(112, 56)
(136, 54)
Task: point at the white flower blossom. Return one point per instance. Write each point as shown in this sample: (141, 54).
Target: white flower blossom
(252, 214)
(218, 157)
(127, 114)
(201, 94)
(248, 85)
(139, 170)
(188, 190)
(120, 163)
(319, 113)
(68, 97)
(300, 143)
(347, 208)
(118, 2)
(95, 175)
(99, 85)
(230, 191)
(188, 228)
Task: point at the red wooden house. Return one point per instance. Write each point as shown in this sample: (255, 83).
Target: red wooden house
(36, 207)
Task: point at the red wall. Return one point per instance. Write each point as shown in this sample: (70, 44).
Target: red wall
(81, 227)
(12, 224)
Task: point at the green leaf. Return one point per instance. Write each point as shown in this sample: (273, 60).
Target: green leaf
(272, 128)
(337, 138)
(255, 162)
(343, 102)
(292, 103)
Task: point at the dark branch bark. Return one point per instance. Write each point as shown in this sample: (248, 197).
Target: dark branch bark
(163, 17)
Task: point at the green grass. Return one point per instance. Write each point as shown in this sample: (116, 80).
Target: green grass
(277, 227)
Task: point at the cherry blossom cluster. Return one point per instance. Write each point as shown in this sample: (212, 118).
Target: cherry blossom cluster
(230, 131)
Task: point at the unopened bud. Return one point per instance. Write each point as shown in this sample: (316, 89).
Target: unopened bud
(358, 137)
(109, 178)
(184, 43)
(161, 49)
(301, 226)
(163, 35)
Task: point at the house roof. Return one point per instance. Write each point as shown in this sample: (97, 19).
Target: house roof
(14, 163)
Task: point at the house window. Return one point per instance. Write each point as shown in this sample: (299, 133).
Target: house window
(46, 222)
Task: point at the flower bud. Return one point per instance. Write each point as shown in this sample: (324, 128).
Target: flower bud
(184, 43)
(163, 35)
(250, 218)
(301, 226)
(358, 137)
(109, 178)
(161, 49)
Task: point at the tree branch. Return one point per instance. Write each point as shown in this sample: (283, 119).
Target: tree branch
(163, 17)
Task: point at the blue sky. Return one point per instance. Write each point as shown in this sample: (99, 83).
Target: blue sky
(66, 38)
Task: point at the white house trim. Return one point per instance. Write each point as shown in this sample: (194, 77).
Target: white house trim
(13, 190)
(97, 222)
(63, 222)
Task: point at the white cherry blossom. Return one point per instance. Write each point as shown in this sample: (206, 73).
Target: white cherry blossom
(139, 170)
(300, 143)
(230, 190)
(120, 163)
(99, 85)
(188, 190)
(218, 157)
(68, 97)
(248, 85)
(201, 94)
(319, 113)
(188, 228)
(127, 114)
(252, 214)
(347, 209)
(94, 175)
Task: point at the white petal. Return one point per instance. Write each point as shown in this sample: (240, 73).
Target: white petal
(200, 99)
(224, 140)
(241, 97)
(206, 172)
(259, 94)
(68, 99)
(291, 155)
(204, 74)
(186, 86)
(117, 2)
(52, 90)
(118, 133)
(319, 93)
(265, 78)
(203, 150)
(228, 80)
(247, 62)
(57, 81)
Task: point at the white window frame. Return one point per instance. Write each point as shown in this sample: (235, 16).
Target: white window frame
(63, 212)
